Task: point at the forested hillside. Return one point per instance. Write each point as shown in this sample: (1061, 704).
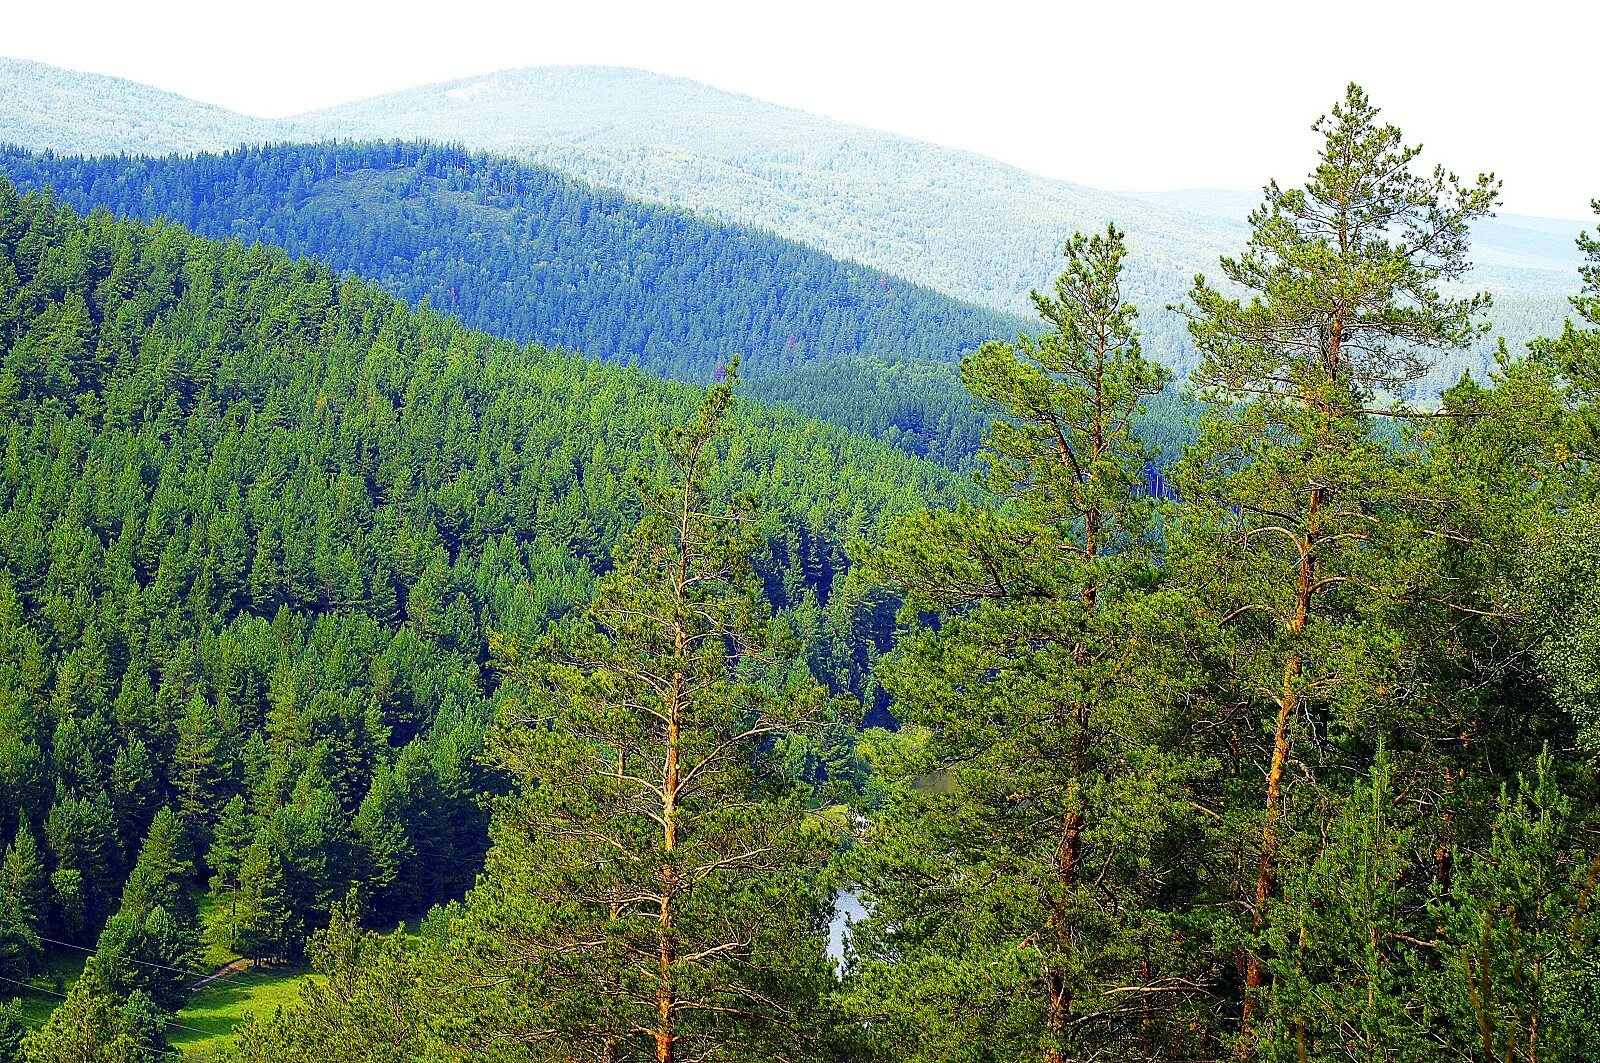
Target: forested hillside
(255, 523)
(955, 220)
(528, 254)
(1296, 766)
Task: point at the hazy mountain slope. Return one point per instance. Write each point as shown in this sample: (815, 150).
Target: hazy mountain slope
(48, 107)
(956, 221)
(1511, 242)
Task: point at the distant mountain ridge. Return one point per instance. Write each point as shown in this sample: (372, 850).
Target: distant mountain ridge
(958, 222)
(45, 106)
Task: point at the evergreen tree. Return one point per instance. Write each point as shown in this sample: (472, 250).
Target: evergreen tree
(199, 769)
(24, 882)
(82, 833)
(1575, 356)
(1297, 507)
(1522, 924)
(24, 902)
(372, 1003)
(651, 875)
(19, 944)
(380, 825)
(267, 924)
(1021, 895)
(229, 844)
(160, 877)
(134, 792)
(91, 1026)
(148, 952)
(13, 1028)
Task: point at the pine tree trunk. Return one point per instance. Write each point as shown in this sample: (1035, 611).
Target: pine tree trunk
(1266, 875)
(1282, 740)
(1058, 992)
(666, 1000)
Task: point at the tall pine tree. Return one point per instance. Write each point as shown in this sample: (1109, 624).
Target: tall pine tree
(652, 881)
(1015, 879)
(1297, 506)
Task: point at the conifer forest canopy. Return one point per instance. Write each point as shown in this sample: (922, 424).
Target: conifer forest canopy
(453, 607)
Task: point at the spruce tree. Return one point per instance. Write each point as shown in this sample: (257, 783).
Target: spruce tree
(1297, 507)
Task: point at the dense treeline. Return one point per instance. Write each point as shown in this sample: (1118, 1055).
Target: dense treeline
(255, 524)
(529, 254)
(1295, 762)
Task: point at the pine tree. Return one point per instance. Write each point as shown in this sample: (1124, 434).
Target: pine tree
(373, 1002)
(1575, 356)
(82, 834)
(147, 951)
(160, 877)
(13, 1028)
(1018, 895)
(134, 793)
(24, 881)
(229, 843)
(380, 826)
(1522, 927)
(199, 768)
(1296, 505)
(652, 876)
(24, 901)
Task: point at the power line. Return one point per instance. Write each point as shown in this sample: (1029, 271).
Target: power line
(63, 996)
(34, 988)
(148, 1048)
(151, 963)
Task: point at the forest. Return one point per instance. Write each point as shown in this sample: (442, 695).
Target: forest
(528, 254)
(547, 710)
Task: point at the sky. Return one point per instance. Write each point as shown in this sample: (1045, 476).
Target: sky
(1136, 96)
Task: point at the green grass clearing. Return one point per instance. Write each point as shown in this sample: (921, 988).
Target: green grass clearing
(214, 1011)
(60, 971)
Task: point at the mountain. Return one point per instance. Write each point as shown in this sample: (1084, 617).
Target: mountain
(954, 219)
(958, 222)
(47, 107)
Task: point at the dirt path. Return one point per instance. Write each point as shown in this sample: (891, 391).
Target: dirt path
(226, 969)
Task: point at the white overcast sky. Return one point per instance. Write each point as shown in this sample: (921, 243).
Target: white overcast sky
(1130, 96)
